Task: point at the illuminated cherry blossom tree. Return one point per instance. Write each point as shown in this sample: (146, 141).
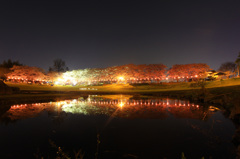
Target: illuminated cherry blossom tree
(188, 71)
(27, 73)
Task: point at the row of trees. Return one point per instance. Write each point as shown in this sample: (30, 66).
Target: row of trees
(16, 70)
(130, 72)
(188, 71)
(123, 72)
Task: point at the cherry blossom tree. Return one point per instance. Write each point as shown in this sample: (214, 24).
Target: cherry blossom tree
(27, 73)
(188, 71)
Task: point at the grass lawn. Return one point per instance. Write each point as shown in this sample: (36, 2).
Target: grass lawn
(126, 87)
(220, 92)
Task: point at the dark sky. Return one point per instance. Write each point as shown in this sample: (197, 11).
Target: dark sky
(89, 34)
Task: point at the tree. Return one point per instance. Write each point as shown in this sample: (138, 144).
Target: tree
(75, 76)
(238, 63)
(5, 67)
(188, 71)
(58, 66)
(228, 68)
(25, 73)
(9, 63)
(130, 73)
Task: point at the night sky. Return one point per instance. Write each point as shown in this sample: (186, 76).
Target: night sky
(90, 34)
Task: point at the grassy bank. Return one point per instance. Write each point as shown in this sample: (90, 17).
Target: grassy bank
(219, 92)
(127, 87)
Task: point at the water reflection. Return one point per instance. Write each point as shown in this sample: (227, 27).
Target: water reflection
(175, 125)
(117, 106)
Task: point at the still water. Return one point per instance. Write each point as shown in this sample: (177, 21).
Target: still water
(116, 126)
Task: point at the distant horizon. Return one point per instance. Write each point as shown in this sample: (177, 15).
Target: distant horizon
(96, 34)
(70, 69)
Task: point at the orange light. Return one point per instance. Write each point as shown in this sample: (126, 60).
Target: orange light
(121, 104)
(121, 78)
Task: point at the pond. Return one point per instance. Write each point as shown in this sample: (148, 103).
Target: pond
(116, 126)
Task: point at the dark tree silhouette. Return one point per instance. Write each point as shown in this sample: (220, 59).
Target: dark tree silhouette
(238, 63)
(9, 64)
(5, 67)
(228, 67)
(58, 66)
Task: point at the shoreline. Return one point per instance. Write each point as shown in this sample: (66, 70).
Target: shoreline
(227, 96)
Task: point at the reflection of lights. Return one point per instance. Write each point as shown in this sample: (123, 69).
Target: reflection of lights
(125, 107)
(86, 107)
